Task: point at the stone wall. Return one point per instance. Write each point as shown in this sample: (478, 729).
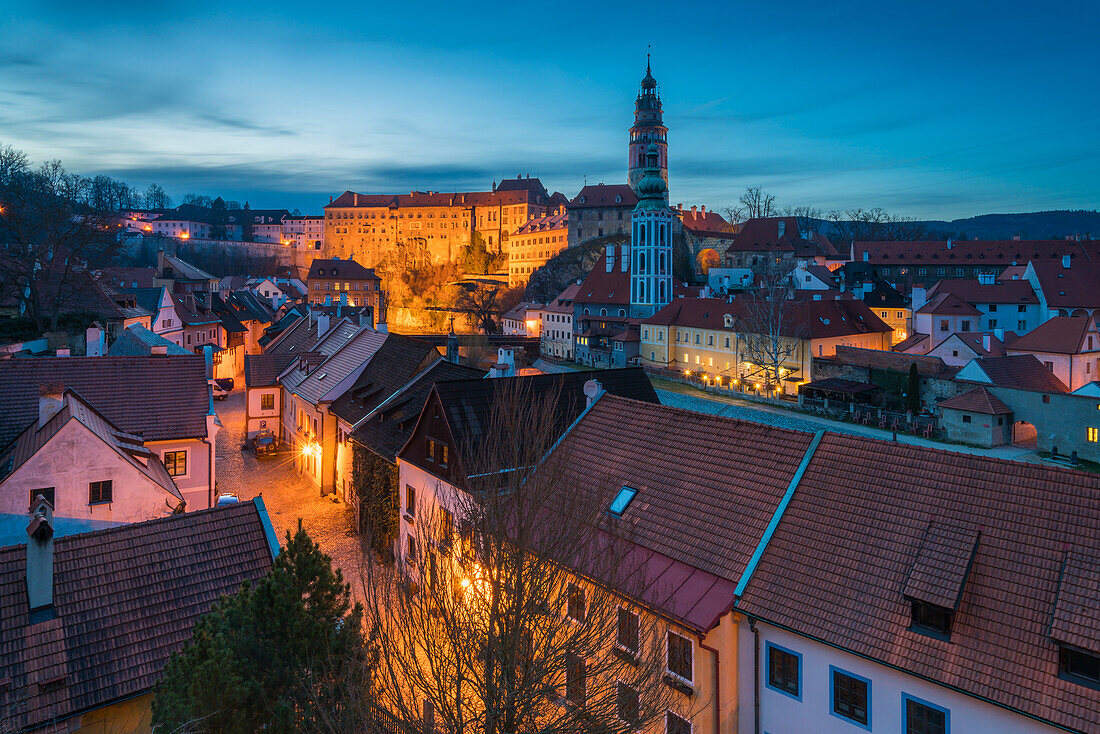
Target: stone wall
(1061, 421)
(933, 390)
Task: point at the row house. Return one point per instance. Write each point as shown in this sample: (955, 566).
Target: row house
(159, 407)
(708, 336)
(904, 263)
(304, 233)
(90, 620)
(1010, 305)
(775, 239)
(556, 317)
(941, 553)
(117, 479)
(522, 320)
(1067, 287)
(193, 222)
(892, 307)
(1068, 346)
(311, 383)
(180, 276)
(347, 281)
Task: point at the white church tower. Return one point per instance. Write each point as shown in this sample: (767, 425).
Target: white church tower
(651, 242)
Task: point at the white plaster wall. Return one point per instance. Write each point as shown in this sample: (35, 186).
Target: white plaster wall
(135, 497)
(195, 484)
(781, 714)
(256, 415)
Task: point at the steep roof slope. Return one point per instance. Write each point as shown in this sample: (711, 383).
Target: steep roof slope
(157, 398)
(125, 599)
(1059, 335)
(398, 360)
(837, 566)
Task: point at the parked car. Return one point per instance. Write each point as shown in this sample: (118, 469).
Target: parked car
(227, 498)
(265, 443)
(220, 393)
(226, 383)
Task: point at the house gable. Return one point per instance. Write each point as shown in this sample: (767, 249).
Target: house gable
(432, 433)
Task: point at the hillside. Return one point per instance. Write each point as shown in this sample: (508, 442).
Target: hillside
(1027, 226)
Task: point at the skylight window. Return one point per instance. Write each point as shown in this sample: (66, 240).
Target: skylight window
(622, 500)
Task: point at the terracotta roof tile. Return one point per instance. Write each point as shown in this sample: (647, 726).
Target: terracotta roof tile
(1076, 619)
(974, 292)
(1059, 335)
(837, 566)
(978, 400)
(948, 304)
(942, 564)
(125, 599)
(1019, 371)
(157, 398)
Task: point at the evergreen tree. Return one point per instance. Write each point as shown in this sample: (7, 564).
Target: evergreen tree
(246, 224)
(912, 392)
(217, 219)
(286, 655)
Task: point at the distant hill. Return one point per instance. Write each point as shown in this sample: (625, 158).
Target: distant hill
(1030, 226)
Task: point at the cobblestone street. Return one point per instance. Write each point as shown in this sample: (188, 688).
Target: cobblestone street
(287, 495)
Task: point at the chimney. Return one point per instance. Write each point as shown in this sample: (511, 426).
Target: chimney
(159, 350)
(40, 561)
(999, 333)
(94, 338)
(1065, 261)
(50, 399)
(322, 324)
(355, 198)
(919, 297)
(986, 343)
(592, 390)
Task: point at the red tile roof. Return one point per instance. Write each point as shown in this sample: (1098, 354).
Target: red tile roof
(942, 564)
(702, 222)
(837, 565)
(813, 319)
(435, 198)
(545, 223)
(125, 599)
(157, 398)
(1059, 335)
(948, 304)
(599, 195)
(1000, 253)
(691, 507)
(337, 268)
(909, 343)
(763, 234)
(978, 400)
(1019, 371)
(975, 341)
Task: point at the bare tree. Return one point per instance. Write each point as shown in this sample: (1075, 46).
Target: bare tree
(875, 225)
(156, 197)
(47, 234)
(481, 306)
(505, 614)
(768, 324)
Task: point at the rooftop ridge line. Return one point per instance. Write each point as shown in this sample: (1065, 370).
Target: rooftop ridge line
(778, 514)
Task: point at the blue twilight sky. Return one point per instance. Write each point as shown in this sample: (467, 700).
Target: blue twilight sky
(936, 109)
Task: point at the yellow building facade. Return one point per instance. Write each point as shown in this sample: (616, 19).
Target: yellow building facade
(534, 243)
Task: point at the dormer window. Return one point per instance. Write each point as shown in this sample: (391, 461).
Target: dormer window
(932, 620)
(1079, 666)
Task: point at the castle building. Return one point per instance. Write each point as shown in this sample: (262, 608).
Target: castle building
(651, 226)
(535, 242)
(435, 225)
(648, 130)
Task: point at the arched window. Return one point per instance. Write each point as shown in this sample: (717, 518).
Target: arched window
(661, 263)
(641, 291)
(662, 240)
(661, 290)
(622, 312)
(641, 234)
(603, 312)
(641, 262)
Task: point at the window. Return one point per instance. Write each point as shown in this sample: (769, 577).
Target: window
(1079, 666)
(944, 326)
(784, 671)
(47, 494)
(430, 453)
(678, 657)
(99, 492)
(176, 463)
(628, 630)
(930, 619)
(622, 499)
(1049, 365)
(410, 555)
(267, 402)
(966, 419)
(851, 696)
(922, 717)
(1092, 434)
(992, 307)
(575, 682)
(965, 325)
(445, 454)
(675, 725)
(410, 500)
(1046, 398)
(627, 699)
(575, 606)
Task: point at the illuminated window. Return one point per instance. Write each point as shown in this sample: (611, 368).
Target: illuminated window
(176, 461)
(1092, 434)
